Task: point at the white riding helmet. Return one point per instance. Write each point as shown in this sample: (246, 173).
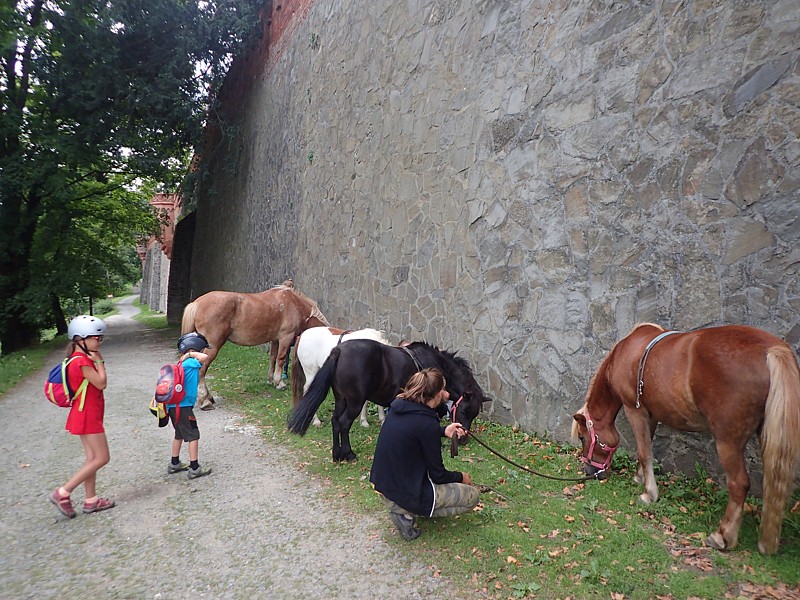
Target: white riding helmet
(85, 326)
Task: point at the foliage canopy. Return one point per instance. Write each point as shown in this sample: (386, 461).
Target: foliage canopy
(97, 97)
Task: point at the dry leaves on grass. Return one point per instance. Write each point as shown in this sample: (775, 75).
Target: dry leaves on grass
(752, 591)
(690, 555)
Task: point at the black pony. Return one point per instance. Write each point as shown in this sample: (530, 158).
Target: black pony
(361, 370)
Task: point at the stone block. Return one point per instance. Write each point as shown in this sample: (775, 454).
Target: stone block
(756, 175)
(744, 238)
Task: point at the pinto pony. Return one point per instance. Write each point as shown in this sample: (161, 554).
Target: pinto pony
(732, 381)
(361, 370)
(277, 315)
(312, 349)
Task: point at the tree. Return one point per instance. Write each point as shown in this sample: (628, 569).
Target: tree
(95, 94)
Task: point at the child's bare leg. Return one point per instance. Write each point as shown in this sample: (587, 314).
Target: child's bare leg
(95, 446)
(193, 450)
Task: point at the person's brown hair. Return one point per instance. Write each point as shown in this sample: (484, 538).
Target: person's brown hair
(423, 386)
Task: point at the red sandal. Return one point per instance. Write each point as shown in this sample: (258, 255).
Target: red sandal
(63, 504)
(98, 505)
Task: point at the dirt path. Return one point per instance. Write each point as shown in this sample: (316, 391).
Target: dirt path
(256, 527)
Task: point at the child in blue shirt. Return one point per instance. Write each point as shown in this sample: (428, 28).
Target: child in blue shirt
(190, 346)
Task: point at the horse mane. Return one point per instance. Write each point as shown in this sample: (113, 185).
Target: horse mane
(460, 362)
(646, 324)
(288, 285)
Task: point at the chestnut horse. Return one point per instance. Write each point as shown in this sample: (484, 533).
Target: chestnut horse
(732, 381)
(312, 349)
(277, 315)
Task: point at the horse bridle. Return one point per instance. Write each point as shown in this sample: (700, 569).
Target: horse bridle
(595, 442)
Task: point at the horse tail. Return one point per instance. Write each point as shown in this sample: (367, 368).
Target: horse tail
(298, 377)
(302, 414)
(780, 442)
(187, 323)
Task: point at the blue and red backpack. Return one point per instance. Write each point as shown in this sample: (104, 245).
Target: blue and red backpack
(57, 389)
(170, 388)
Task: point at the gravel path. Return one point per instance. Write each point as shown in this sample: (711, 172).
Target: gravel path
(256, 527)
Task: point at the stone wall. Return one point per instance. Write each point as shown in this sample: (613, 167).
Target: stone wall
(155, 277)
(520, 181)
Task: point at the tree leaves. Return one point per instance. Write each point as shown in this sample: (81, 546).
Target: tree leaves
(96, 96)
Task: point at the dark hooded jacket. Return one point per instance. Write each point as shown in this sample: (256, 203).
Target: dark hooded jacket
(408, 457)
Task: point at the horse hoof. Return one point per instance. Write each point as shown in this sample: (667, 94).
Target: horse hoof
(645, 499)
(208, 407)
(349, 458)
(364, 424)
(281, 386)
(715, 540)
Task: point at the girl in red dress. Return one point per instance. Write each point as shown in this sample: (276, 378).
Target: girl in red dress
(86, 415)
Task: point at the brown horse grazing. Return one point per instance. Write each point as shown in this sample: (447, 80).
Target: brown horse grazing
(731, 381)
(277, 315)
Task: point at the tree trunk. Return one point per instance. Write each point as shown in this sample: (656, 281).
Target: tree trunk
(58, 315)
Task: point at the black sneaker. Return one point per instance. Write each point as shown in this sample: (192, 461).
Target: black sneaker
(406, 525)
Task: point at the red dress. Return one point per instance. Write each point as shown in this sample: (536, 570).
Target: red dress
(90, 419)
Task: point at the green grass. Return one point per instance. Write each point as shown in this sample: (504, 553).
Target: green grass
(533, 537)
(152, 318)
(15, 366)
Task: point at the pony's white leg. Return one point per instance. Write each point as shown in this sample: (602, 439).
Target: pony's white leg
(731, 456)
(650, 488)
(381, 414)
(643, 429)
(639, 477)
(364, 422)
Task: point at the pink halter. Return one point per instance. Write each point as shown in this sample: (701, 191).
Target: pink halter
(595, 441)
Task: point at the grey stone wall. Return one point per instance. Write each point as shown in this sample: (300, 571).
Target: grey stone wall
(520, 181)
(155, 278)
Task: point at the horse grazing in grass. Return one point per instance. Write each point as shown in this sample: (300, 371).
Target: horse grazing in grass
(361, 370)
(277, 315)
(312, 349)
(732, 381)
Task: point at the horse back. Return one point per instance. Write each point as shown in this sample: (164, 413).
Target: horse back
(251, 319)
(697, 380)
(370, 370)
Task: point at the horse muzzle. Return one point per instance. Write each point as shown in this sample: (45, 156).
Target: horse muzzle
(593, 470)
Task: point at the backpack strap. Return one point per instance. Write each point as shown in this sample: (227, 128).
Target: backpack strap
(82, 393)
(82, 388)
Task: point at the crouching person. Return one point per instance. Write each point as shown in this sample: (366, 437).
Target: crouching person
(407, 469)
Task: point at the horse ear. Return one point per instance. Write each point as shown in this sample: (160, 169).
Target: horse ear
(578, 425)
